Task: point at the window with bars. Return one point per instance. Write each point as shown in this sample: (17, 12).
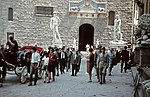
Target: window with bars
(43, 11)
(111, 18)
(10, 14)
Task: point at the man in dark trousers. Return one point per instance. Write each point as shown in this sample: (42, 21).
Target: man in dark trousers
(125, 58)
(62, 59)
(69, 53)
(75, 61)
(57, 63)
(35, 61)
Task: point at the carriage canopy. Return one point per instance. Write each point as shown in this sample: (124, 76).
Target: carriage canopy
(39, 49)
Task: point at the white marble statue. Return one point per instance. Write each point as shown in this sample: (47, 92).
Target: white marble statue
(54, 22)
(117, 28)
(74, 43)
(97, 43)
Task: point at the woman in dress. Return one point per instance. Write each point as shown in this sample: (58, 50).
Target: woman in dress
(90, 63)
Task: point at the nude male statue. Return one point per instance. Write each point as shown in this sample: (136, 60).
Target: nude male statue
(54, 22)
(117, 29)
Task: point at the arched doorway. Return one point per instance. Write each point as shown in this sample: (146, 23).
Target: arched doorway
(86, 35)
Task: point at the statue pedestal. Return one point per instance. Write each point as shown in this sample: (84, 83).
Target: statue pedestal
(118, 44)
(146, 42)
(136, 55)
(57, 43)
(144, 55)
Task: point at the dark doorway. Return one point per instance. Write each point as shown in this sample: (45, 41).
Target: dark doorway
(86, 35)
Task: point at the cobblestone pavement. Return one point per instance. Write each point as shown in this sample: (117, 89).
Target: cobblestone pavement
(117, 85)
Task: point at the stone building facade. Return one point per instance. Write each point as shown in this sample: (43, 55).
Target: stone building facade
(29, 28)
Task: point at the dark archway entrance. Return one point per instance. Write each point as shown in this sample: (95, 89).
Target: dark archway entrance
(86, 35)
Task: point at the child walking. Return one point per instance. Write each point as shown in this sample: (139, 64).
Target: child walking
(46, 72)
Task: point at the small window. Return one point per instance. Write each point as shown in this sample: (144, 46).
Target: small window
(10, 14)
(44, 11)
(111, 18)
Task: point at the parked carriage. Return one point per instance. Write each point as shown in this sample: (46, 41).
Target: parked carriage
(21, 63)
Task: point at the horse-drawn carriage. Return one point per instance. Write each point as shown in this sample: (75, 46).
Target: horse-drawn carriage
(20, 62)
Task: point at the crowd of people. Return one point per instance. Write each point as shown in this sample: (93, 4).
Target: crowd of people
(57, 61)
(104, 60)
(53, 61)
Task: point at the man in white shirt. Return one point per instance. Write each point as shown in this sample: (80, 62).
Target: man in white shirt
(35, 60)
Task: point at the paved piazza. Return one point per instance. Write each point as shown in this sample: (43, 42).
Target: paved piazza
(117, 85)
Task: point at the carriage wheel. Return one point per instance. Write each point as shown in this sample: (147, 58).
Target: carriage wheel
(40, 73)
(24, 75)
(18, 70)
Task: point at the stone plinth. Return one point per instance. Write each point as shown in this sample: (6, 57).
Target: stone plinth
(118, 44)
(144, 55)
(57, 44)
(141, 58)
(146, 73)
(136, 55)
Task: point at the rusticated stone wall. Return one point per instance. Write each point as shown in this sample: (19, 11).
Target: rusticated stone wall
(30, 29)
